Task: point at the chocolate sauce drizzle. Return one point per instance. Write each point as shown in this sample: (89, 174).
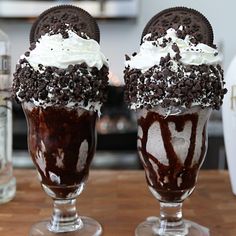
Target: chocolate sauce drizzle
(60, 128)
(171, 191)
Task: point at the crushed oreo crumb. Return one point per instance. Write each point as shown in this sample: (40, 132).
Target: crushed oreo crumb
(164, 86)
(127, 58)
(27, 54)
(62, 28)
(175, 48)
(76, 84)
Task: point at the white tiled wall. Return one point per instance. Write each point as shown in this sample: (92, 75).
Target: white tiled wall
(120, 37)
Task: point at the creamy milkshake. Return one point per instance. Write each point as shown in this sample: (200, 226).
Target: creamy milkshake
(173, 84)
(62, 143)
(172, 149)
(61, 101)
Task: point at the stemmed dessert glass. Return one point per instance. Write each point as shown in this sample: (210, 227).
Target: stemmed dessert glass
(61, 142)
(172, 148)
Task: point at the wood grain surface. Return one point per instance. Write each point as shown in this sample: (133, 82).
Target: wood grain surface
(120, 200)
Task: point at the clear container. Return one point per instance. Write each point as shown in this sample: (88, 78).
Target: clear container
(7, 179)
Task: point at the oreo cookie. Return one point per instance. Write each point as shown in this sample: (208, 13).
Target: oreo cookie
(58, 19)
(193, 22)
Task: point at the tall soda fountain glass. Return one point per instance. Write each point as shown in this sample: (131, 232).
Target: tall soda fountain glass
(61, 83)
(172, 149)
(173, 83)
(62, 143)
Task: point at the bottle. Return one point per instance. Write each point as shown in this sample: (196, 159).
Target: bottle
(7, 179)
(229, 121)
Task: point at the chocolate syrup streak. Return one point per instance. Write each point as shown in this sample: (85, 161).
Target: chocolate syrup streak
(55, 136)
(164, 180)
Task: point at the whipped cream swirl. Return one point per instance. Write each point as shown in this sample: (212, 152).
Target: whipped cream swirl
(191, 54)
(70, 72)
(175, 73)
(54, 50)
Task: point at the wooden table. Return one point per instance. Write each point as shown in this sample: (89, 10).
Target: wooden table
(119, 200)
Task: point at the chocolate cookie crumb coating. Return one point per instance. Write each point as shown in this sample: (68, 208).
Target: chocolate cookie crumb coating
(77, 84)
(160, 85)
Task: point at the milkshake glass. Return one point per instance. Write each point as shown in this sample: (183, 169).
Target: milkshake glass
(61, 83)
(173, 83)
(62, 143)
(172, 149)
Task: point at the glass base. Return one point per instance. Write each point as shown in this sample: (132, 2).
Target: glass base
(7, 190)
(151, 227)
(90, 227)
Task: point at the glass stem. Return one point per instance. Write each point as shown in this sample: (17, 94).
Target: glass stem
(171, 216)
(65, 217)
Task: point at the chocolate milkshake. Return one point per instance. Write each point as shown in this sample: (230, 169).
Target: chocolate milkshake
(173, 83)
(62, 144)
(61, 83)
(172, 149)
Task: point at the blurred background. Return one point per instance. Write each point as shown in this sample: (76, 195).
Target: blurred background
(121, 23)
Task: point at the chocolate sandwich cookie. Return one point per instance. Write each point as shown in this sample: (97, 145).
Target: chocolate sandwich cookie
(58, 19)
(193, 22)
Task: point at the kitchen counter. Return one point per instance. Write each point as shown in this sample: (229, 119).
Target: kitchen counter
(120, 200)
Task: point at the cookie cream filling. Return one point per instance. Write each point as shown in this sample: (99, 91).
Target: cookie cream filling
(151, 52)
(54, 50)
